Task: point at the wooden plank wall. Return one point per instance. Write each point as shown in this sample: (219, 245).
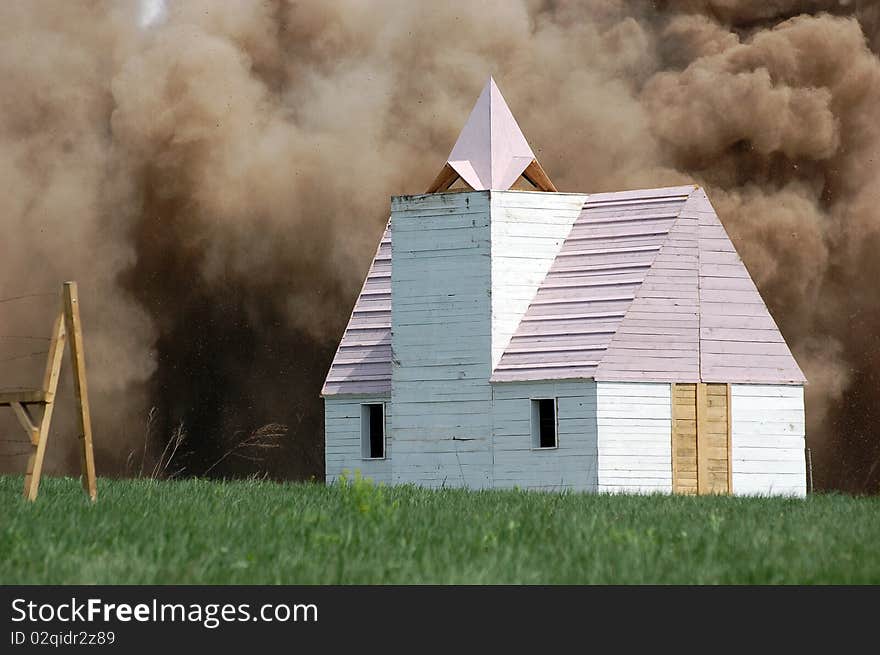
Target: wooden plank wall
(441, 340)
(573, 465)
(634, 424)
(700, 438)
(767, 439)
(528, 229)
(342, 438)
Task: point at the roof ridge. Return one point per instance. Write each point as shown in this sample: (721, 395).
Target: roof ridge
(643, 194)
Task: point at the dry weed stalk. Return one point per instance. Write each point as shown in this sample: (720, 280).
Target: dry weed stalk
(251, 448)
(162, 468)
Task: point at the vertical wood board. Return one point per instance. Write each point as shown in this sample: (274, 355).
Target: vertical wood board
(684, 438)
(73, 324)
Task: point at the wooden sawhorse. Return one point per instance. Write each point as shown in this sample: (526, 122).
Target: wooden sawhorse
(67, 328)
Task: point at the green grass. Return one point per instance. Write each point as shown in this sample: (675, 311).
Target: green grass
(202, 532)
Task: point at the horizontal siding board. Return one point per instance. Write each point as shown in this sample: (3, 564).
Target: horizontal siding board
(342, 438)
(570, 466)
(441, 336)
(634, 437)
(768, 439)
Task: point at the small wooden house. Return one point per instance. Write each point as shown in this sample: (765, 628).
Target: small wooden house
(545, 340)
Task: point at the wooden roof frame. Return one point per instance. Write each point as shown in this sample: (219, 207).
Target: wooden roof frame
(534, 174)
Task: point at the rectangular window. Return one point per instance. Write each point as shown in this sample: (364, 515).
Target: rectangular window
(544, 423)
(373, 431)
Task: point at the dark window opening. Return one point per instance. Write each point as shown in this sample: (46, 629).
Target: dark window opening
(373, 431)
(544, 423)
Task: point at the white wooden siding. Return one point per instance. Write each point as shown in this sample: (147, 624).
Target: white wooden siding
(767, 439)
(528, 229)
(342, 438)
(634, 423)
(572, 465)
(441, 340)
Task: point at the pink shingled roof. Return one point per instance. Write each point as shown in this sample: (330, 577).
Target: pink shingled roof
(362, 364)
(739, 340)
(658, 338)
(591, 285)
(648, 287)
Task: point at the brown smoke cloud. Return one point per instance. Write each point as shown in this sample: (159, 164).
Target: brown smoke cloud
(216, 178)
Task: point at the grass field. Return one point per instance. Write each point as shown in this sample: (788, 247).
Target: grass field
(202, 532)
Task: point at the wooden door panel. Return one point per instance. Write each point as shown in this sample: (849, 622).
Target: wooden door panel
(713, 452)
(700, 438)
(684, 438)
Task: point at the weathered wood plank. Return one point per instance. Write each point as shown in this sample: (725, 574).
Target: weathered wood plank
(684, 438)
(767, 439)
(634, 431)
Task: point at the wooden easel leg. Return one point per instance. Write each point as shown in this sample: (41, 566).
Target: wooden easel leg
(39, 434)
(74, 331)
(35, 461)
